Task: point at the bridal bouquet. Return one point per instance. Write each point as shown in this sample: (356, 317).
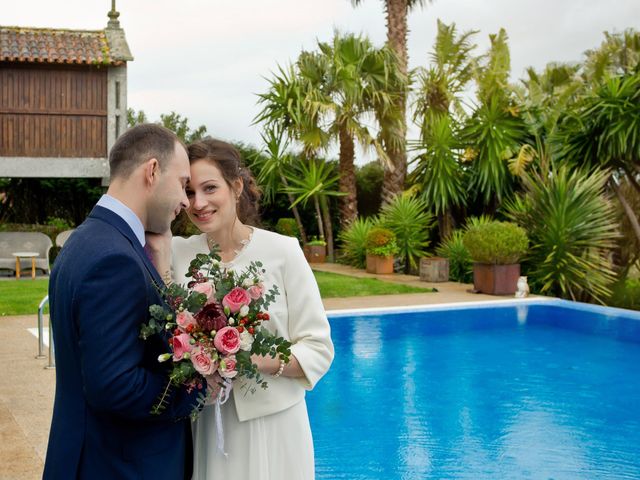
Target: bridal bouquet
(215, 325)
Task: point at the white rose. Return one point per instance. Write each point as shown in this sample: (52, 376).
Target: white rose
(246, 340)
(244, 311)
(246, 283)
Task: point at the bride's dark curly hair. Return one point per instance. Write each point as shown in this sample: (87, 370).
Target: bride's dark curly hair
(227, 158)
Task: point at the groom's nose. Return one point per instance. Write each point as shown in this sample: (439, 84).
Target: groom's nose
(184, 200)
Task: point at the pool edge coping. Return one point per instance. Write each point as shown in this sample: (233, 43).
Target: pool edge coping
(504, 302)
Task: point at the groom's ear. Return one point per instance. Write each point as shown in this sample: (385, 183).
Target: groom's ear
(151, 169)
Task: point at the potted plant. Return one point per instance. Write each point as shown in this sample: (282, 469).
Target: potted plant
(315, 251)
(381, 246)
(496, 249)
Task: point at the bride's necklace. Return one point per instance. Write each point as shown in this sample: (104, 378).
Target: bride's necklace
(236, 251)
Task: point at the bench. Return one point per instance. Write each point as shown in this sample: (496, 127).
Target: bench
(12, 242)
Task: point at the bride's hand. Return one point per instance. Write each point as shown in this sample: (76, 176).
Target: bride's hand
(266, 365)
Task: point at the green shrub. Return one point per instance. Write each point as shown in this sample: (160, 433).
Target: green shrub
(460, 262)
(626, 294)
(500, 243)
(354, 238)
(381, 242)
(59, 223)
(288, 227)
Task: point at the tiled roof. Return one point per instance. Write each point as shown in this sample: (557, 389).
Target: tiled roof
(46, 45)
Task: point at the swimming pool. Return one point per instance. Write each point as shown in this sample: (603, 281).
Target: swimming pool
(535, 389)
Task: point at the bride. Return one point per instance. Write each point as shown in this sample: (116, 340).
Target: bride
(266, 433)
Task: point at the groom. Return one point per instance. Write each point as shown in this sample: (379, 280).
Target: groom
(100, 290)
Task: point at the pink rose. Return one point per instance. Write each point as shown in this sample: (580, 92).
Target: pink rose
(202, 361)
(227, 340)
(256, 291)
(236, 298)
(227, 367)
(184, 319)
(205, 288)
(181, 346)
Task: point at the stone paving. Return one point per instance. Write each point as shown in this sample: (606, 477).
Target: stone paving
(27, 388)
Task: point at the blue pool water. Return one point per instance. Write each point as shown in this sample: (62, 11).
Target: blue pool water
(547, 390)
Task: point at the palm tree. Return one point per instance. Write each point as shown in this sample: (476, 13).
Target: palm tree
(604, 132)
(619, 54)
(271, 166)
(292, 108)
(496, 130)
(396, 12)
(543, 98)
(439, 112)
(315, 180)
(348, 82)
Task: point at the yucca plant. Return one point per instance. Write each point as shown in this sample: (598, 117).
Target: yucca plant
(460, 263)
(572, 227)
(408, 217)
(354, 239)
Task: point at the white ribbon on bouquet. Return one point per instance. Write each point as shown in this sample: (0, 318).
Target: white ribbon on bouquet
(222, 398)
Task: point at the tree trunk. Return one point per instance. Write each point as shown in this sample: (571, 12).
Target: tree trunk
(393, 184)
(316, 204)
(347, 182)
(445, 224)
(328, 228)
(631, 178)
(296, 213)
(627, 209)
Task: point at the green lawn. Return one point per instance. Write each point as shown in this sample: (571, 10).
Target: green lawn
(334, 285)
(23, 297)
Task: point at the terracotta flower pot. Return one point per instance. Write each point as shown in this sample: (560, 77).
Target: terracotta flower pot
(495, 279)
(379, 265)
(315, 253)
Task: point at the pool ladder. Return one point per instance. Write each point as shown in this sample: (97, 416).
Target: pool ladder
(52, 360)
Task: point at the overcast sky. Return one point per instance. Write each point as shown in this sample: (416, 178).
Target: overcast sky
(207, 59)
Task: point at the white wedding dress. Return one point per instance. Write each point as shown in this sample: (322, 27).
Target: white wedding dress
(276, 446)
(266, 434)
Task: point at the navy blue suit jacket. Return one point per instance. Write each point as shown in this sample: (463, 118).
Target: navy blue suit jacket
(107, 379)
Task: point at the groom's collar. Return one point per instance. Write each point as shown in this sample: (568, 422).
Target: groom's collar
(124, 212)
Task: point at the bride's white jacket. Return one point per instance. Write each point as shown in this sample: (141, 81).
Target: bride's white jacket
(297, 315)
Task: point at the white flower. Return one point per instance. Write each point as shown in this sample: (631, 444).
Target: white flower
(164, 357)
(232, 321)
(246, 340)
(246, 283)
(244, 311)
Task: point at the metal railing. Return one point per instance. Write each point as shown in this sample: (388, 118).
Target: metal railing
(52, 360)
